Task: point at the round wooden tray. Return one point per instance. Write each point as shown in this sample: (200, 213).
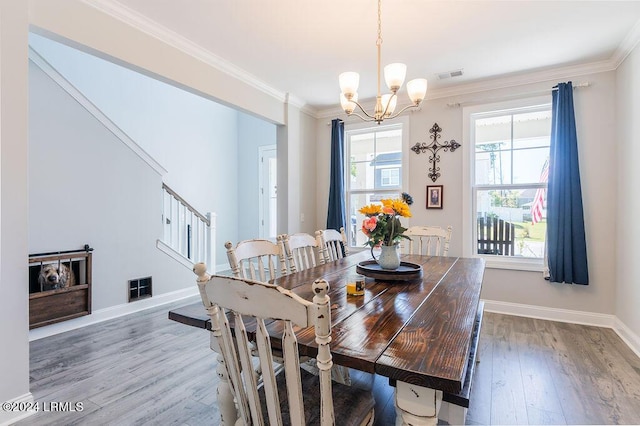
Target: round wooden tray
(406, 271)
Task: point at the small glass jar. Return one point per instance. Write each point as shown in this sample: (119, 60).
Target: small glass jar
(355, 285)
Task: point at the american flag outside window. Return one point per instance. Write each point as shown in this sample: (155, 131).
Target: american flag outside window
(538, 201)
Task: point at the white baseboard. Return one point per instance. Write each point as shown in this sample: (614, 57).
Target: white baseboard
(112, 312)
(552, 314)
(565, 315)
(628, 336)
(10, 417)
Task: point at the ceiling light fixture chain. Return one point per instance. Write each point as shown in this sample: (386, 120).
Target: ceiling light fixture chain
(394, 77)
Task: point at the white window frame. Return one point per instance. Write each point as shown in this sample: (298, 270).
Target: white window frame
(365, 127)
(469, 228)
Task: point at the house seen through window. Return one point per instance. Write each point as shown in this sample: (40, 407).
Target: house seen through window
(510, 162)
(374, 171)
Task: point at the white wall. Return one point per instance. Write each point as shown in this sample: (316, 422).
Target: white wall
(297, 142)
(14, 312)
(308, 210)
(628, 225)
(86, 186)
(595, 107)
(252, 134)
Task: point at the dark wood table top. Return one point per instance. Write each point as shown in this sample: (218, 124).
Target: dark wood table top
(420, 332)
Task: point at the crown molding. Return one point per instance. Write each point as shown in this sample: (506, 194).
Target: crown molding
(627, 45)
(131, 17)
(295, 101)
(525, 78)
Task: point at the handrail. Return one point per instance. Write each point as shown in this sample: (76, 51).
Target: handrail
(187, 232)
(186, 204)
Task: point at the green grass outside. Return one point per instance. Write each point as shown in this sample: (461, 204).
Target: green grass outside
(531, 232)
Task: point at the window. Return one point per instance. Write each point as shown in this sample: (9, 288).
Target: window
(390, 177)
(376, 169)
(508, 181)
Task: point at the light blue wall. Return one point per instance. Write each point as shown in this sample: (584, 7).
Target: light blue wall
(193, 138)
(87, 187)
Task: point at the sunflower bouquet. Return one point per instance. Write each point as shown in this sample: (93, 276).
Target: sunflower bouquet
(382, 223)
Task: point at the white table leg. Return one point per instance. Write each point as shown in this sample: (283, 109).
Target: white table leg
(452, 414)
(226, 403)
(416, 406)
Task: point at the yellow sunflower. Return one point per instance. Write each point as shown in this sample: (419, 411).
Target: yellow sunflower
(399, 206)
(371, 210)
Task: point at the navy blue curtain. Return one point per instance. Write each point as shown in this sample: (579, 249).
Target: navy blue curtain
(566, 244)
(336, 212)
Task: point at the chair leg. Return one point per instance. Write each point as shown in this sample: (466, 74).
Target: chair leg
(224, 393)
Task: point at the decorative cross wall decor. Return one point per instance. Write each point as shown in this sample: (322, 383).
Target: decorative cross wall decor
(434, 147)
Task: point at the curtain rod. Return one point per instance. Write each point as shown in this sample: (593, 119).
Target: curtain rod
(517, 95)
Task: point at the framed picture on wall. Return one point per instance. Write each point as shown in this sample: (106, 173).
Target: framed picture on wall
(434, 196)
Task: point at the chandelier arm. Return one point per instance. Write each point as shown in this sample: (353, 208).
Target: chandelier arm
(402, 110)
(363, 110)
(363, 118)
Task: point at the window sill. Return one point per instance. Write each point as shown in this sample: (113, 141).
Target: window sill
(533, 265)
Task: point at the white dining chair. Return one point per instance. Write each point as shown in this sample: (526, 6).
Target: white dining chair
(427, 240)
(300, 251)
(309, 399)
(333, 244)
(257, 259)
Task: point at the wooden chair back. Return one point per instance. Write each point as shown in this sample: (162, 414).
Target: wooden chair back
(301, 250)
(255, 259)
(252, 302)
(333, 244)
(427, 240)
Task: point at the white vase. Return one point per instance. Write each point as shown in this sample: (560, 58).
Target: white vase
(389, 258)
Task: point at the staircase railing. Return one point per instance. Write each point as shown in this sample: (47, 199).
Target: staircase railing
(187, 231)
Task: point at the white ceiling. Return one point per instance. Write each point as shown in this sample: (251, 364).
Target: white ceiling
(300, 46)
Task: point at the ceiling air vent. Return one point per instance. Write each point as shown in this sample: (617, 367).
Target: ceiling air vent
(449, 74)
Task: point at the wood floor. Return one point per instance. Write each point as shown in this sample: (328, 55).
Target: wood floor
(146, 369)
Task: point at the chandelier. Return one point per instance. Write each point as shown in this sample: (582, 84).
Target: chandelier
(394, 75)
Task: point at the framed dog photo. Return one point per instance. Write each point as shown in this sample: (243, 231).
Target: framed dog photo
(434, 196)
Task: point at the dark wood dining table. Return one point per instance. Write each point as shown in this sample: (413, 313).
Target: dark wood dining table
(422, 334)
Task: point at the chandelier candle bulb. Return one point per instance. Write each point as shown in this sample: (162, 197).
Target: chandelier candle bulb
(389, 102)
(417, 89)
(348, 106)
(349, 82)
(394, 75)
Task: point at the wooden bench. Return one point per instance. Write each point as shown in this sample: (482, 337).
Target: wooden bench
(496, 236)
